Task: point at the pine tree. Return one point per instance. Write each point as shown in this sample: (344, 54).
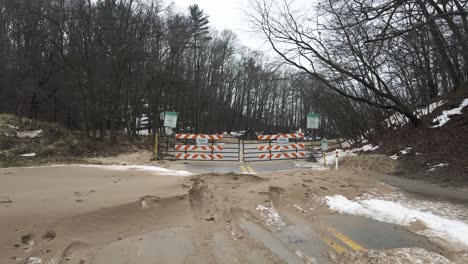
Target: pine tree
(200, 30)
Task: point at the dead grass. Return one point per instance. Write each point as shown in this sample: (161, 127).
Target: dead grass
(378, 163)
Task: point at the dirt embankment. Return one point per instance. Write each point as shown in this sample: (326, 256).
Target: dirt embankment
(430, 152)
(25, 142)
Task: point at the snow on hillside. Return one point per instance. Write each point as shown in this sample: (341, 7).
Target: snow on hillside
(445, 116)
(398, 120)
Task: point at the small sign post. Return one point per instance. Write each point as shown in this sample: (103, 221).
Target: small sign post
(336, 160)
(324, 151)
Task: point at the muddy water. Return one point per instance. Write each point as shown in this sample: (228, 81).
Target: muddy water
(271, 242)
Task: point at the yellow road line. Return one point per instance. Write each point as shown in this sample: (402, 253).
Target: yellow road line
(345, 239)
(332, 244)
(244, 169)
(250, 169)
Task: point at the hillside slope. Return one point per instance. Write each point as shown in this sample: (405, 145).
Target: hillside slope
(437, 151)
(27, 142)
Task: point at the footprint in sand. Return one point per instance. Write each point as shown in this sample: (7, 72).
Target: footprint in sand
(77, 193)
(27, 239)
(49, 235)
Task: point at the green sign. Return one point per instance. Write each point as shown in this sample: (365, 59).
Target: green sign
(313, 121)
(170, 119)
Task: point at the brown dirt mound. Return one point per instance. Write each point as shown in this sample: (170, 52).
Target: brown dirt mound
(241, 178)
(379, 163)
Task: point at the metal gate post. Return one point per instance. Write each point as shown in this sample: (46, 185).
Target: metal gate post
(185, 149)
(239, 150)
(269, 143)
(295, 140)
(212, 148)
(156, 146)
(167, 144)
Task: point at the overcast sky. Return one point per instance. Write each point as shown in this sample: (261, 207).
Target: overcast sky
(228, 14)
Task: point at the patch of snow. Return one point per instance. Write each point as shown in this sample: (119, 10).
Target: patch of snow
(444, 209)
(331, 156)
(143, 132)
(311, 165)
(34, 260)
(398, 120)
(29, 134)
(440, 165)
(365, 148)
(430, 108)
(28, 155)
(144, 204)
(271, 215)
(394, 157)
(445, 117)
(161, 170)
(395, 213)
(406, 151)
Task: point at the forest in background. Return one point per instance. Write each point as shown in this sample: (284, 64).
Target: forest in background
(376, 64)
(98, 66)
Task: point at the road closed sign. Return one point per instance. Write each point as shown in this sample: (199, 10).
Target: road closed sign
(202, 142)
(170, 119)
(313, 121)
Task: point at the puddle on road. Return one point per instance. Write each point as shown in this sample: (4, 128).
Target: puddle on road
(270, 242)
(377, 235)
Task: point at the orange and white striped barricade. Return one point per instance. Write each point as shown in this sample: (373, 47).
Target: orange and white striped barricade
(198, 148)
(273, 137)
(295, 155)
(198, 156)
(195, 136)
(279, 147)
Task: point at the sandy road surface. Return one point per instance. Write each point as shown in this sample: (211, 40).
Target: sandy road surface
(75, 214)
